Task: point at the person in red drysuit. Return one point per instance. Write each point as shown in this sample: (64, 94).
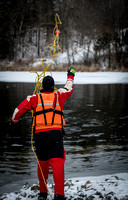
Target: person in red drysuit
(48, 124)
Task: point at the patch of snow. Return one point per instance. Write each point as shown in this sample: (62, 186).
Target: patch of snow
(113, 187)
(38, 62)
(60, 77)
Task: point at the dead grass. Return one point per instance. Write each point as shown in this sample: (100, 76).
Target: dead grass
(123, 69)
(24, 66)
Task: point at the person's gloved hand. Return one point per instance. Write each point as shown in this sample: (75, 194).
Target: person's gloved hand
(12, 129)
(12, 125)
(71, 71)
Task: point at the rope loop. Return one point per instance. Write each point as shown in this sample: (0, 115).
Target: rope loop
(54, 51)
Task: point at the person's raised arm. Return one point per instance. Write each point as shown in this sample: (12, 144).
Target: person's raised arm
(66, 92)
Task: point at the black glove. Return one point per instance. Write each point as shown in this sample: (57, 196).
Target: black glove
(12, 125)
(13, 129)
(71, 71)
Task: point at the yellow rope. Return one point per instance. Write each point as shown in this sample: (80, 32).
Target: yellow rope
(54, 51)
(39, 163)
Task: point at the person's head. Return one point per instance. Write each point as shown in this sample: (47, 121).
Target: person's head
(48, 84)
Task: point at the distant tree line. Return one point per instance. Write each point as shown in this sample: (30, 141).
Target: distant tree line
(101, 25)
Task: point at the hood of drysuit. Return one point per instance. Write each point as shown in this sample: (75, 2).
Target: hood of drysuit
(47, 84)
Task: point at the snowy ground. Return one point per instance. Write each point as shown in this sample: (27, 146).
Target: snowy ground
(60, 77)
(108, 187)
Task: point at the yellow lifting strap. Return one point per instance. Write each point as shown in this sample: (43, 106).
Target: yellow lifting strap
(54, 51)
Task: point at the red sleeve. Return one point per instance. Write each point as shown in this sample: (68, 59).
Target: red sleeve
(28, 104)
(66, 92)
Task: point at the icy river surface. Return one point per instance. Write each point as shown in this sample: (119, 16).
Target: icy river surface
(96, 133)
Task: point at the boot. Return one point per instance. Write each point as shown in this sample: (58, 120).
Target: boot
(42, 196)
(59, 197)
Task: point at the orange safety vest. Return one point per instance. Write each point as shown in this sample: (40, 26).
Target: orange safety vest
(48, 113)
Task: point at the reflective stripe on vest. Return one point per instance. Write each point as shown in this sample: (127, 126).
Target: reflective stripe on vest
(47, 104)
(48, 111)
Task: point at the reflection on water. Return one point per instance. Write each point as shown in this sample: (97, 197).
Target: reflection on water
(96, 140)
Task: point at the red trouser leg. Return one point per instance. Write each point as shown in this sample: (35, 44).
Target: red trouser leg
(45, 169)
(57, 165)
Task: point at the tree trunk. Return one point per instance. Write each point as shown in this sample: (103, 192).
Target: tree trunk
(38, 44)
(109, 56)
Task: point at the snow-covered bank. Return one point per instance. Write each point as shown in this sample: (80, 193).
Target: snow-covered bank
(107, 187)
(60, 77)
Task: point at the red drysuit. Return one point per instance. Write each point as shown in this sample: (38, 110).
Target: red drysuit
(48, 141)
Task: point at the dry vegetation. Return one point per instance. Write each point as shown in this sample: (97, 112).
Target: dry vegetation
(24, 66)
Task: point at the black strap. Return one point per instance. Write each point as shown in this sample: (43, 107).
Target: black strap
(46, 111)
(61, 118)
(43, 109)
(57, 112)
(54, 109)
(35, 120)
(66, 88)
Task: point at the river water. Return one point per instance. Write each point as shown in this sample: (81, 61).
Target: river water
(96, 139)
